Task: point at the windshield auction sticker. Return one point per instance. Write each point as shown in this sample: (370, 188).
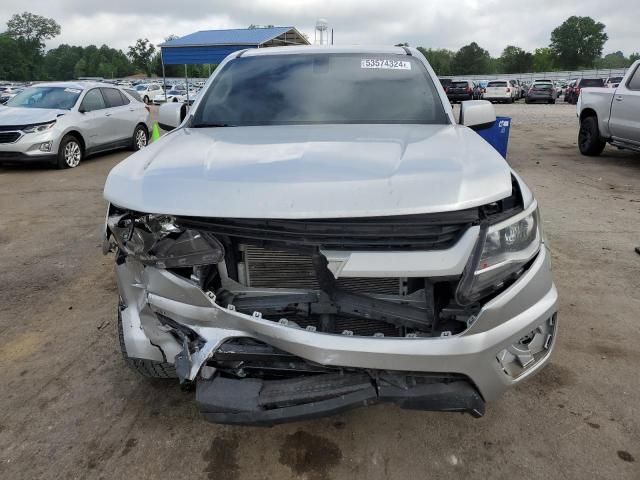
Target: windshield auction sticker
(385, 64)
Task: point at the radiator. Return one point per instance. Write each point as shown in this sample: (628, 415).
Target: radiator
(267, 268)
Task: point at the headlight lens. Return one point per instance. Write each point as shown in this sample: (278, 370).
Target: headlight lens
(157, 240)
(506, 249)
(39, 128)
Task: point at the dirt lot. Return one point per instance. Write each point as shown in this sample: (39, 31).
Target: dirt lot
(71, 409)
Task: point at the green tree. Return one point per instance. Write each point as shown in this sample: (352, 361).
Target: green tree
(578, 42)
(28, 26)
(515, 60)
(471, 59)
(141, 55)
(80, 69)
(543, 60)
(634, 57)
(439, 59)
(13, 63)
(613, 60)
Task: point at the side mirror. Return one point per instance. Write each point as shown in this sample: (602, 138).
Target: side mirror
(477, 114)
(81, 109)
(171, 115)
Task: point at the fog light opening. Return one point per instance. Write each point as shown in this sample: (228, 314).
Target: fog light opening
(45, 146)
(531, 348)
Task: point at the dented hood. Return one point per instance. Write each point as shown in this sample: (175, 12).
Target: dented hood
(319, 171)
(28, 116)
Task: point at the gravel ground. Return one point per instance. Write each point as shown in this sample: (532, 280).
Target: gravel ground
(71, 409)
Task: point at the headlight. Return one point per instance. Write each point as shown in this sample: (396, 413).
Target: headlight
(157, 240)
(503, 250)
(39, 128)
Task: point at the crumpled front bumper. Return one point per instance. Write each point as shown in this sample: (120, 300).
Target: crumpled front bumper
(526, 305)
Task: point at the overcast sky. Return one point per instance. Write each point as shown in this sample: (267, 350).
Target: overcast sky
(436, 24)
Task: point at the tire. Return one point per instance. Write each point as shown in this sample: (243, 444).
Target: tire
(137, 142)
(146, 100)
(589, 141)
(143, 367)
(511, 100)
(70, 152)
(175, 100)
(552, 102)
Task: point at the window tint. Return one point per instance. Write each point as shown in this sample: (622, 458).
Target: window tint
(93, 101)
(113, 97)
(459, 84)
(634, 83)
(497, 84)
(125, 100)
(591, 82)
(133, 93)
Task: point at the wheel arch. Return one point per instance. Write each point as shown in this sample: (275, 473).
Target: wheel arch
(588, 112)
(78, 136)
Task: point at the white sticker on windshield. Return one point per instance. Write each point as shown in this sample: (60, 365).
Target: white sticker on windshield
(385, 64)
(72, 90)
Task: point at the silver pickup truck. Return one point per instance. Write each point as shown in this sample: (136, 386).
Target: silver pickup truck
(610, 115)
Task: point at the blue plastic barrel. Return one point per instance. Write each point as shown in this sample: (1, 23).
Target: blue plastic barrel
(497, 135)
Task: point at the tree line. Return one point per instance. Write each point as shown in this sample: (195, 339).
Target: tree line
(23, 58)
(576, 44)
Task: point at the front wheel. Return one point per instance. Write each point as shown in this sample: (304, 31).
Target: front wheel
(146, 100)
(589, 141)
(69, 153)
(140, 138)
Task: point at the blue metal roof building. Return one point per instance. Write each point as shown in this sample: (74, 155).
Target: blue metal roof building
(212, 46)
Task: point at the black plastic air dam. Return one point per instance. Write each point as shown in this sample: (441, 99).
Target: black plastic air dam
(253, 401)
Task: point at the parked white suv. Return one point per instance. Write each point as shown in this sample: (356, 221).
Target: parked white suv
(336, 241)
(500, 91)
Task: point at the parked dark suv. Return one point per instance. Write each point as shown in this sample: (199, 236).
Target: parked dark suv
(572, 94)
(460, 90)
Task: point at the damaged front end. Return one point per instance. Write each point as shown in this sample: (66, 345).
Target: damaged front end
(278, 320)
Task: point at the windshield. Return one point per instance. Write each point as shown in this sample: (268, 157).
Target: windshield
(497, 84)
(46, 97)
(321, 89)
(175, 92)
(459, 84)
(542, 86)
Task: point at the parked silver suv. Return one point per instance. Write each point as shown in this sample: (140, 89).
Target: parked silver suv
(63, 122)
(319, 232)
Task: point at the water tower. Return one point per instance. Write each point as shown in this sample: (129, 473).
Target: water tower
(321, 36)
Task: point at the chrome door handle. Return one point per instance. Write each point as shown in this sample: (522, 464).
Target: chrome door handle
(619, 98)
(107, 114)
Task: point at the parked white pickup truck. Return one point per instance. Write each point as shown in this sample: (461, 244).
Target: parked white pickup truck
(610, 115)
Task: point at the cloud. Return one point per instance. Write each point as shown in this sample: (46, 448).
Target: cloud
(435, 23)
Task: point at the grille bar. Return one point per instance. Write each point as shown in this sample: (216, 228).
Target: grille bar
(428, 231)
(9, 137)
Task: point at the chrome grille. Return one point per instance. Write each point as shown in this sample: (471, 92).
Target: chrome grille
(267, 268)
